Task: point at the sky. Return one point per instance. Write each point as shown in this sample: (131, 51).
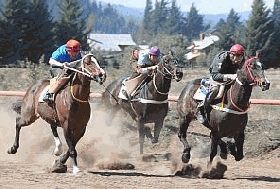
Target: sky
(203, 6)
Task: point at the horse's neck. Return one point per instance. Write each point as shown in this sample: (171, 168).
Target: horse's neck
(239, 95)
(81, 86)
(162, 83)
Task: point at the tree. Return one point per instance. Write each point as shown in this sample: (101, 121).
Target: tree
(193, 24)
(12, 26)
(38, 35)
(272, 49)
(256, 34)
(146, 24)
(228, 31)
(174, 20)
(70, 23)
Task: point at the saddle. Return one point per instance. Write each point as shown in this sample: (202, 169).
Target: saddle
(204, 88)
(130, 86)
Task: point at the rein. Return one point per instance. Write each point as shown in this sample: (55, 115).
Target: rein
(165, 76)
(247, 71)
(84, 72)
(72, 91)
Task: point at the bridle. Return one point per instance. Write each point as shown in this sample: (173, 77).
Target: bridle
(85, 72)
(248, 71)
(166, 74)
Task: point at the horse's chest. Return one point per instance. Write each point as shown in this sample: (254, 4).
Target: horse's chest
(229, 124)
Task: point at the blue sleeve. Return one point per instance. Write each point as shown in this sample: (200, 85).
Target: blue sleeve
(62, 56)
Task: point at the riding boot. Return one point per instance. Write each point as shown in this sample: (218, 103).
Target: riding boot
(200, 113)
(210, 97)
(55, 85)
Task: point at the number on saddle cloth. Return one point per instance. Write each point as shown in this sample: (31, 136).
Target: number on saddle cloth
(205, 85)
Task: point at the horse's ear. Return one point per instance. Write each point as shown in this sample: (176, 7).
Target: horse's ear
(171, 53)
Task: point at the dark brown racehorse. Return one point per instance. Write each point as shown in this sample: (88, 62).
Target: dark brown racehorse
(150, 105)
(227, 119)
(70, 111)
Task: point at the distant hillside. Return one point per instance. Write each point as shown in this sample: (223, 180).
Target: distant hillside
(138, 13)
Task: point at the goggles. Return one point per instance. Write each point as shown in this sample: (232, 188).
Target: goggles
(236, 54)
(74, 49)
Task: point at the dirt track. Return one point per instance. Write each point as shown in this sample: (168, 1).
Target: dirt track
(103, 145)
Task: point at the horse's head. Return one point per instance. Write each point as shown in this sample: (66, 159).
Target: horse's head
(254, 73)
(91, 67)
(170, 67)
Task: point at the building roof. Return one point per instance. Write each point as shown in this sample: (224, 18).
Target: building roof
(110, 42)
(202, 44)
(199, 45)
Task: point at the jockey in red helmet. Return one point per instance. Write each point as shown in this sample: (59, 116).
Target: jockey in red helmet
(61, 59)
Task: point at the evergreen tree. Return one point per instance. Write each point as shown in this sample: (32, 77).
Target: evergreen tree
(228, 31)
(156, 19)
(193, 24)
(12, 27)
(256, 34)
(70, 23)
(272, 49)
(174, 20)
(146, 24)
(38, 35)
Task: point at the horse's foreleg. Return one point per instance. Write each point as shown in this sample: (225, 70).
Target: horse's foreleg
(182, 134)
(214, 146)
(157, 129)
(223, 147)
(141, 133)
(58, 145)
(239, 142)
(15, 146)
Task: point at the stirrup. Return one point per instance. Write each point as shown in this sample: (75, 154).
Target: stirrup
(125, 94)
(48, 97)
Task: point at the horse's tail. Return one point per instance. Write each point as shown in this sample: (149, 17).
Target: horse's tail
(17, 106)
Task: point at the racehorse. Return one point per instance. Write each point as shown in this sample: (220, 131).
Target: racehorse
(229, 118)
(70, 110)
(150, 104)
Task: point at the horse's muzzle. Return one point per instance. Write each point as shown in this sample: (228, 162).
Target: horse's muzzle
(265, 86)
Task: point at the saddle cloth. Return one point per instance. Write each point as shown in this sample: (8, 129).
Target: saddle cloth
(201, 93)
(43, 93)
(129, 86)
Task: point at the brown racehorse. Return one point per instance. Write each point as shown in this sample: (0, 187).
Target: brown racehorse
(229, 117)
(70, 110)
(150, 104)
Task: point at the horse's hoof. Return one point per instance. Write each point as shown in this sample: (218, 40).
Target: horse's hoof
(238, 158)
(186, 157)
(223, 155)
(12, 150)
(58, 167)
(154, 141)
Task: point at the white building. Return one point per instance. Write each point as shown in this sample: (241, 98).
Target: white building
(110, 42)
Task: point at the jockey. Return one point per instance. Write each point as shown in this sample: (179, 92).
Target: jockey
(147, 61)
(222, 69)
(60, 61)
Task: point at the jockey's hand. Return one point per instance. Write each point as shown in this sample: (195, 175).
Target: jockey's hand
(232, 76)
(153, 67)
(66, 65)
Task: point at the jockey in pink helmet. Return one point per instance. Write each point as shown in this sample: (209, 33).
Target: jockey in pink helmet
(223, 69)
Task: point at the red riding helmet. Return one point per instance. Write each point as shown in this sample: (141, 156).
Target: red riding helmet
(154, 51)
(73, 46)
(237, 49)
